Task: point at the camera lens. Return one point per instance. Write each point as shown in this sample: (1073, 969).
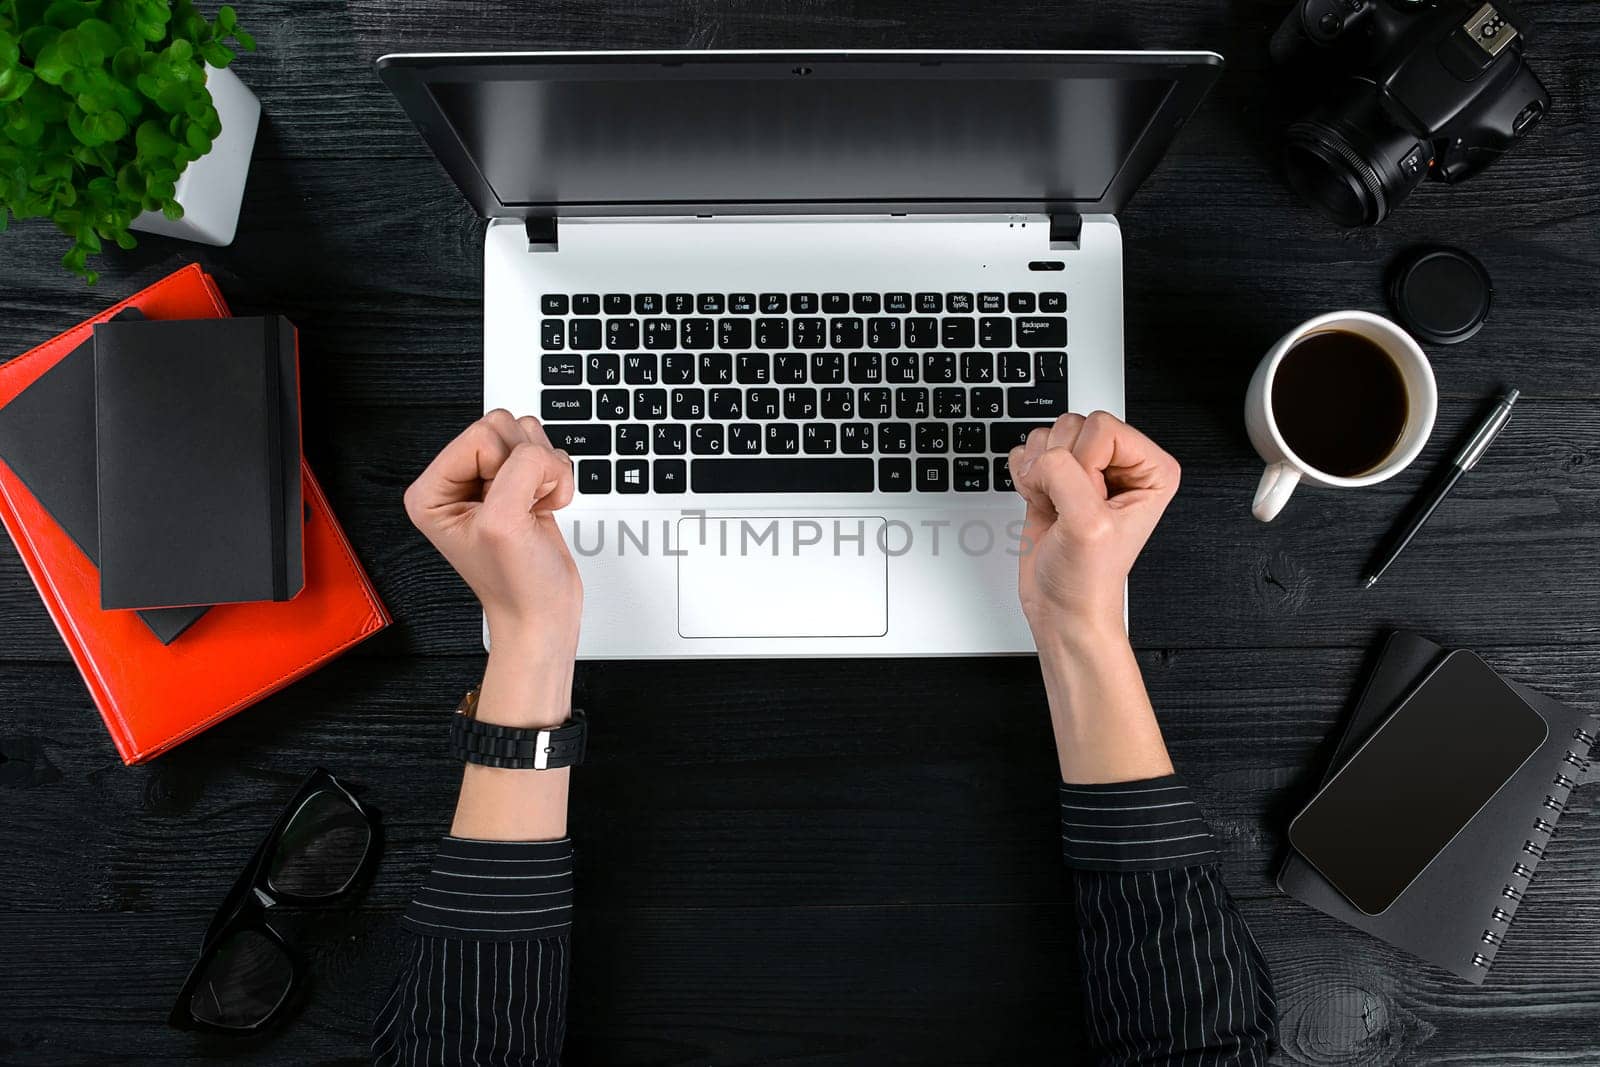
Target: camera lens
(1352, 161)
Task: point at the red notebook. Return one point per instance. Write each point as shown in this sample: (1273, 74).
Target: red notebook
(153, 696)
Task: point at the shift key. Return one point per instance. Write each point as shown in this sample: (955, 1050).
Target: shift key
(580, 439)
(1048, 331)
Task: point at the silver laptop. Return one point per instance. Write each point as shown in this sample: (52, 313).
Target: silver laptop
(789, 311)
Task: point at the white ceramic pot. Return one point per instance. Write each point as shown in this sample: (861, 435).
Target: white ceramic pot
(211, 189)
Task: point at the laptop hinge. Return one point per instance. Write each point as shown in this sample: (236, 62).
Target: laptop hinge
(541, 233)
(1065, 229)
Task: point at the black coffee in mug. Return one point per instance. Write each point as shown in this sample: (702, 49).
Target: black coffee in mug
(1340, 402)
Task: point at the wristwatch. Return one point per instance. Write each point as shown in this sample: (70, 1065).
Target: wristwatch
(514, 748)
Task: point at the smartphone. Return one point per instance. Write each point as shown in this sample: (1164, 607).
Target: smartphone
(1412, 786)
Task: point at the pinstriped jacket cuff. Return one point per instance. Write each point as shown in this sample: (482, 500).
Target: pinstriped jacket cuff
(495, 891)
(1134, 826)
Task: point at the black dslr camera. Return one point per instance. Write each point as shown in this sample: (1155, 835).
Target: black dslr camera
(1435, 87)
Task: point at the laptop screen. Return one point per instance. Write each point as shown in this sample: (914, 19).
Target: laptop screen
(536, 133)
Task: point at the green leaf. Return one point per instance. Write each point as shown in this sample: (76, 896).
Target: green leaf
(152, 141)
(35, 39)
(172, 210)
(52, 64)
(101, 36)
(227, 18)
(246, 41)
(218, 55)
(13, 83)
(68, 13)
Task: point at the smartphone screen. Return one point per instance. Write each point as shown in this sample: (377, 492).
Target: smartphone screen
(1417, 781)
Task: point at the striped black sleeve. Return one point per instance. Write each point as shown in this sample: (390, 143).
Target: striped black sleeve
(486, 981)
(1172, 975)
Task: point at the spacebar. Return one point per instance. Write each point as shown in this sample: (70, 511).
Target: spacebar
(798, 475)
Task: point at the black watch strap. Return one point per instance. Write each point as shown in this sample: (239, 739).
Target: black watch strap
(514, 748)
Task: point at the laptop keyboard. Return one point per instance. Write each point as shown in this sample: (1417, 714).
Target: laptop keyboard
(887, 392)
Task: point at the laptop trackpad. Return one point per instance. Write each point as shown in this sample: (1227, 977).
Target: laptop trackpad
(782, 577)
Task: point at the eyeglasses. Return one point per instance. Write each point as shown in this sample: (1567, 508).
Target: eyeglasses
(319, 847)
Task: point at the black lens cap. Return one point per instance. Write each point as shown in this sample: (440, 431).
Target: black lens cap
(1440, 294)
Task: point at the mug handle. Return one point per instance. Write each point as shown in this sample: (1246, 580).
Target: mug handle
(1272, 493)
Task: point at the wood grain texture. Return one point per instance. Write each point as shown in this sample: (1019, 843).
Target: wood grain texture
(776, 858)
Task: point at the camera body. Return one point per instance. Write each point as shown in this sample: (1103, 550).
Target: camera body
(1436, 88)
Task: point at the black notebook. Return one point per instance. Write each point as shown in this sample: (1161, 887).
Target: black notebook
(47, 438)
(1457, 913)
(197, 427)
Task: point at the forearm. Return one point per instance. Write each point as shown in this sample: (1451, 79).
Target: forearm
(1105, 728)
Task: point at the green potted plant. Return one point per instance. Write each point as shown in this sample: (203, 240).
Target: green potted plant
(119, 115)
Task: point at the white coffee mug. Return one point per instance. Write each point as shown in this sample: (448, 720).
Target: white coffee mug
(1285, 470)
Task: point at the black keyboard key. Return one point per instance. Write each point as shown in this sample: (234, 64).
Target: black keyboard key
(774, 303)
(611, 404)
(844, 333)
(911, 403)
(897, 303)
(866, 303)
(586, 304)
(733, 333)
(603, 368)
(650, 404)
(1036, 402)
(1049, 366)
(1021, 303)
(866, 368)
(988, 402)
(838, 403)
(788, 368)
(894, 437)
(741, 303)
(872, 403)
(669, 439)
(837, 474)
(744, 439)
(933, 437)
(933, 475)
(1052, 302)
(958, 333)
(1004, 436)
(553, 304)
(639, 368)
(710, 303)
(958, 303)
(670, 476)
(677, 368)
(819, 439)
(827, 368)
(699, 333)
(752, 368)
(836, 303)
(552, 335)
(950, 403)
(560, 370)
(633, 476)
(990, 303)
(800, 403)
(1042, 332)
(994, 333)
(660, 334)
(783, 439)
(971, 475)
(1014, 367)
(594, 476)
(803, 303)
(922, 333)
(688, 404)
(772, 333)
(727, 404)
(761, 403)
(623, 333)
(580, 439)
(633, 439)
(939, 367)
(855, 437)
(977, 367)
(705, 439)
(566, 405)
(894, 475)
(930, 303)
(647, 303)
(680, 303)
(716, 368)
(900, 367)
(1002, 474)
(618, 304)
(583, 334)
(810, 333)
(969, 437)
(883, 333)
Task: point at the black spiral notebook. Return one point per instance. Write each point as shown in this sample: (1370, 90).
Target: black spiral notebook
(1458, 911)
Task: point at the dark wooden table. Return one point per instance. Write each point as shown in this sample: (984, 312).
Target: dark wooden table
(853, 862)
